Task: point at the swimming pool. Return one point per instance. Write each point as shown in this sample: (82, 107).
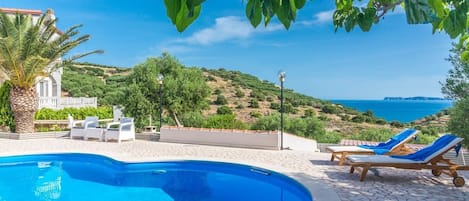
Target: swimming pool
(94, 177)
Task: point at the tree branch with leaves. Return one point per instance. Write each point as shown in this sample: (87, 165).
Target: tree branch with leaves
(449, 16)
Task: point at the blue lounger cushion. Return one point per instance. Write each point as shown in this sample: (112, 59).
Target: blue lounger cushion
(427, 151)
(385, 147)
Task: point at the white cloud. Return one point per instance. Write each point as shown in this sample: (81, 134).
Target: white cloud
(174, 48)
(324, 17)
(228, 28)
(320, 18)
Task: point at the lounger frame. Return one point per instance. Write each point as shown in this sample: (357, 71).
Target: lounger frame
(438, 165)
(401, 149)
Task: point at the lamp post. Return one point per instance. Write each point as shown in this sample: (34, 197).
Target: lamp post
(160, 82)
(281, 77)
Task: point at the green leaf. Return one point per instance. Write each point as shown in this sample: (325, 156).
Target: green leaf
(292, 10)
(282, 11)
(351, 20)
(172, 9)
(183, 12)
(300, 3)
(439, 7)
(465, 56)
(419, 12)
(455, 23)
(186, 16)
(366, 19)
(194, 3)
(437, 25)
(254, 12)
(344, 4)
(267, 11)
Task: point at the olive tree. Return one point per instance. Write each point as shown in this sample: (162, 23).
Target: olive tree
(459, 122)
(183, 89)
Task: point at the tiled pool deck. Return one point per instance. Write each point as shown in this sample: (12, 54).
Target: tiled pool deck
(325, 179)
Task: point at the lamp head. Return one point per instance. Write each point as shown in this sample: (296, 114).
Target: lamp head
(160, 78)
(281, 76)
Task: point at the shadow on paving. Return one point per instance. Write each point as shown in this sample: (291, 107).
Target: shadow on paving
(390, 183)
(323, 162)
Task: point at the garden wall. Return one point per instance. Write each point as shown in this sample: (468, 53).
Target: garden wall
(221, 137)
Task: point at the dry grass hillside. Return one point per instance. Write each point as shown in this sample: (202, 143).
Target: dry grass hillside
(239, 90)
(240, 105)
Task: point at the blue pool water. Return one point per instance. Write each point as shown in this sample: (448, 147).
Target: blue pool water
(397, 110)
(93, 177)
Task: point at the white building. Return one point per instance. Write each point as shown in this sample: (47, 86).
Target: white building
(49, 88)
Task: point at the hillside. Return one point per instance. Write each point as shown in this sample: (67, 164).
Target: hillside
(248, 97)
(92, 80)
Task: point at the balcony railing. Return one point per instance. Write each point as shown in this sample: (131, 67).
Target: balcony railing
(63, 102)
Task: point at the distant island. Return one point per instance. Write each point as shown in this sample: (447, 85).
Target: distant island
(415, 98)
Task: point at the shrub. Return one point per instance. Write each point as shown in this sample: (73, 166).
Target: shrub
(6, 115)
(226, 121)
(396, 124)
(430, 130)
(288, 108)
(253, 103)
(239, 93)
(309, 127)
(381, 121)
(217, 92)
(192, 119)
(275, 106)
(368, 113)
(271, 122)
(424, 139)
(373, 134)
(269, 98)
(329, 137)
(255, 114)
(224, 110)
(330, 109)
(309, 113)
(258, 95)
(345, 117)
(240, 106)
(323, 117)
(104, 112)
(221, 100)
(358, 119)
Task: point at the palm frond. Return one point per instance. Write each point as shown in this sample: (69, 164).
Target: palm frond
(78, 56)
(29, 50)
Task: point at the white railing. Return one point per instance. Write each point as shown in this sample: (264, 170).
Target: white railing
(62, 102)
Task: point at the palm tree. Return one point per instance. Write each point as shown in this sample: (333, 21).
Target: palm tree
(29, 50)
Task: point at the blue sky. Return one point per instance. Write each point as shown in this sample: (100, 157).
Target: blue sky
(393, 59)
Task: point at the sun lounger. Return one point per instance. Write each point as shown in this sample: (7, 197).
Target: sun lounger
(395, 145)
(429, 157)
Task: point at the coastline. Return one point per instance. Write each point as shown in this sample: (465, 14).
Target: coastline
(404, 111)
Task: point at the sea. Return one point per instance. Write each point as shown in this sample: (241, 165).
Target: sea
(398, 110)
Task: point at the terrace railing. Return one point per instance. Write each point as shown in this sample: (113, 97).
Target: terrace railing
(63, 102)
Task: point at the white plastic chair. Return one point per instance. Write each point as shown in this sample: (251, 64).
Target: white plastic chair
(87, 124)
(125, 131)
